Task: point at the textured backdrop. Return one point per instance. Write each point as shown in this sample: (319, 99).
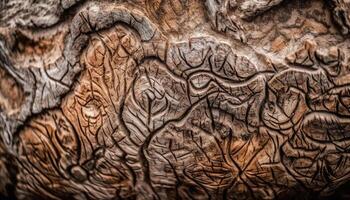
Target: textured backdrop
(174, 99)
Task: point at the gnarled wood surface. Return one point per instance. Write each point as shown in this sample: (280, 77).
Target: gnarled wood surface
(174, 99)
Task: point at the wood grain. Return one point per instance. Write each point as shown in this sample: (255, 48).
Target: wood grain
(174, 99)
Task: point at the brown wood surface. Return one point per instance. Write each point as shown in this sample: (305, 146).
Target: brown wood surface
(174, 99)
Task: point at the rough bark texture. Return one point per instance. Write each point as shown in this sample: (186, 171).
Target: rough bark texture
(174, 99)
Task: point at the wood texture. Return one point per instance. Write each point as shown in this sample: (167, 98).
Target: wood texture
(174, 99)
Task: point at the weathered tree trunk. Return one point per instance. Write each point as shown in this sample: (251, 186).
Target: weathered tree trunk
(174, 99)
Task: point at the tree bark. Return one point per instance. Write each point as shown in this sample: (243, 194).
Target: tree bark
(174, 99)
